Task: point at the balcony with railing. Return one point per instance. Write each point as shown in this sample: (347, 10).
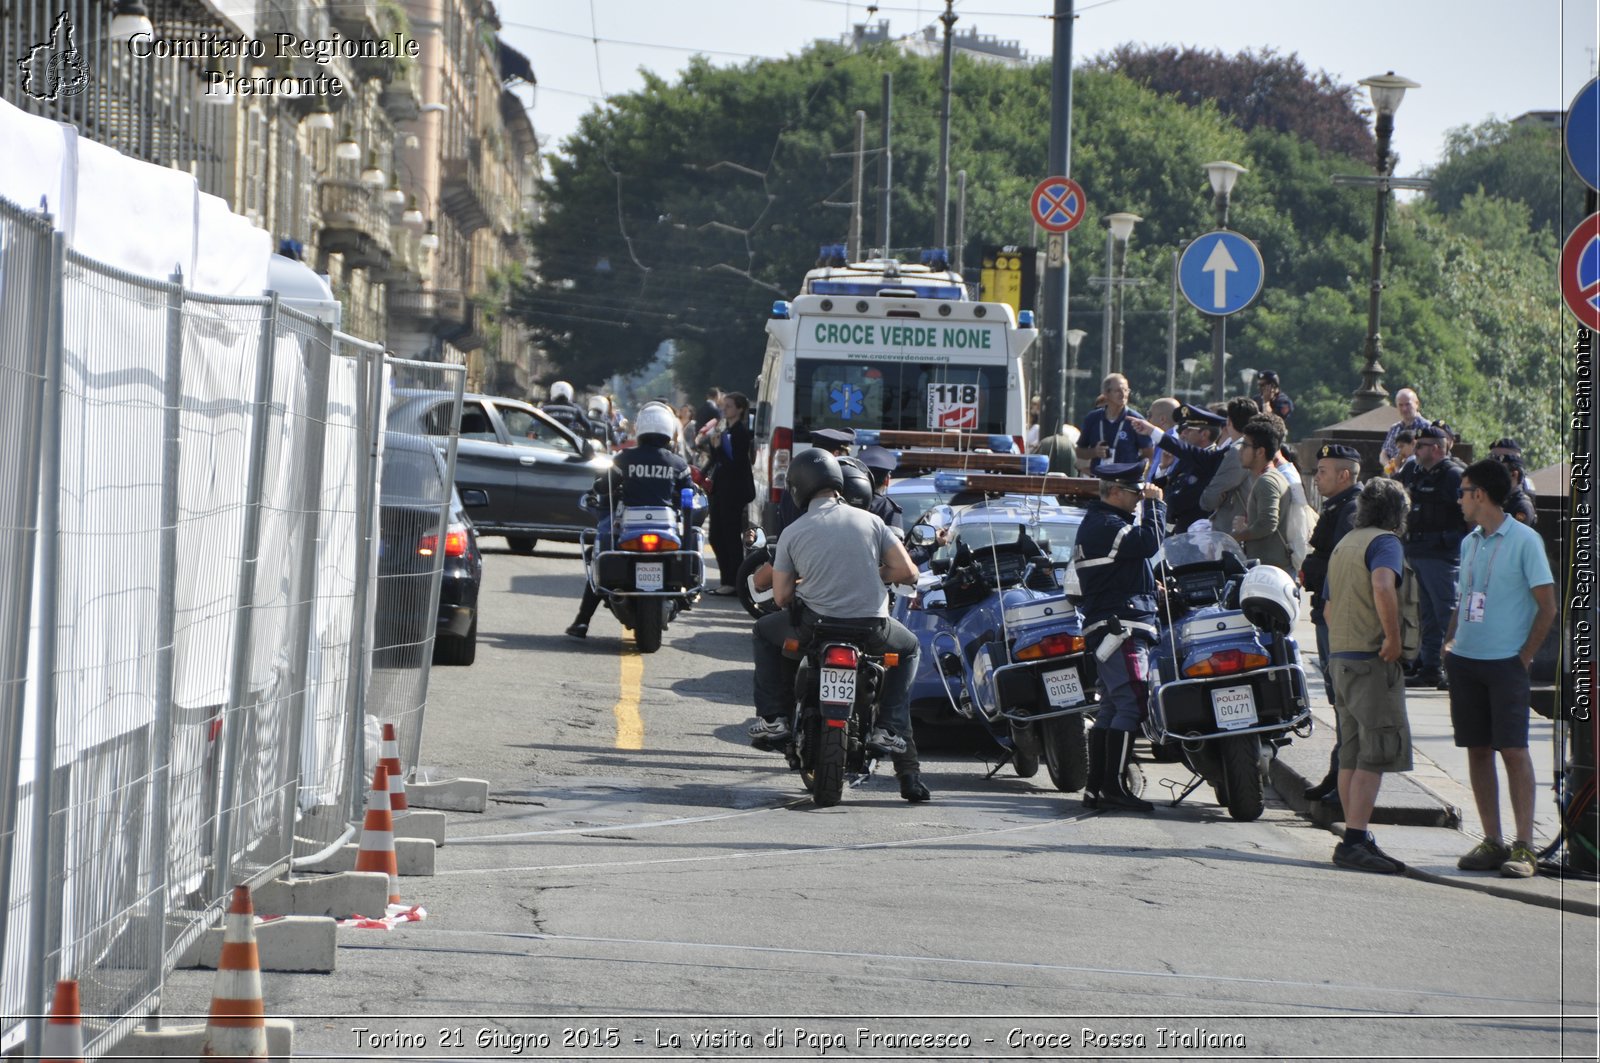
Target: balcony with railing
(354, 224)
(462, 191)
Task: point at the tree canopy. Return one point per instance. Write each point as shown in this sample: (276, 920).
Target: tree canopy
(681, 211)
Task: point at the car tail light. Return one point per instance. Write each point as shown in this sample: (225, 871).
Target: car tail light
(778, 463)
(1016, 441)
(839, 657)
(1225, 662)
(455, 543)
(648, 542)
(1051, 646)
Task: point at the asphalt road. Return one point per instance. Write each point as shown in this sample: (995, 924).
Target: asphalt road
(644, 884)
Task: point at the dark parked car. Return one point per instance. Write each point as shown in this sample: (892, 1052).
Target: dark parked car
(530, 468)
(412, 488)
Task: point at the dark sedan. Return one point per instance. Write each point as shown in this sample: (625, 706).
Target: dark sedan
(530, 468)
(412, 489)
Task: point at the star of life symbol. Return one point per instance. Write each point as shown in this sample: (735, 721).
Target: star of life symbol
(847, 401)
(54, 69)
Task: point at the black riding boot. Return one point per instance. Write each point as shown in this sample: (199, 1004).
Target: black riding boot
(1114, 792)
(1097, 768)
(591, 601)
(908, 769)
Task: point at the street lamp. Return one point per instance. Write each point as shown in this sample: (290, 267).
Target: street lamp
(1387, 91)
(1188, 376)
(1074, 340)
(1223, 175)
(1247, 380)
(1121, 225)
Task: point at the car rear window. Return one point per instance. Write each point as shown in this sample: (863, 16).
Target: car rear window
(411, 477)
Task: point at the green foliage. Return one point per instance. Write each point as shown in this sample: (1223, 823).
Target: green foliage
(1520, 163)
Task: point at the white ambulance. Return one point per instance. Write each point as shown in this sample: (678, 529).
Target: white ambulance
(885, 345)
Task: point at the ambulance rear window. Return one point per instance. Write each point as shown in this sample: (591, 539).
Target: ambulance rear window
(898, 395)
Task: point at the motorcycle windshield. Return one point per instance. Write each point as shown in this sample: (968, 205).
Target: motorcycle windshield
(1199, 548)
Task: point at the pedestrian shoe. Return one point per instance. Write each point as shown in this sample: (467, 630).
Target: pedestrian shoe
(578, 630)
(912, 789)
(884, 741)
(1487, 855)
(772, 730)
(1321, 791)
(1366, 856)
(1522, 863)
(1426, 677)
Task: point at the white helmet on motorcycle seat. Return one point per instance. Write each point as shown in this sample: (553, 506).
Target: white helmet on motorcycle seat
(655, 420)
(561, 391)
(1269, 598)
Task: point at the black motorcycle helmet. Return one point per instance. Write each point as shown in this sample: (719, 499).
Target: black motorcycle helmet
(857, 482)
(811, 471)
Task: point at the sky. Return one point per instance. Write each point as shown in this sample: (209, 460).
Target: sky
(1472, 58)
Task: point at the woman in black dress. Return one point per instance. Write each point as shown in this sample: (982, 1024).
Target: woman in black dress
(733, 488)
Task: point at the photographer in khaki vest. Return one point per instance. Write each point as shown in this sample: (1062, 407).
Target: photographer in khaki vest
(1371, 610)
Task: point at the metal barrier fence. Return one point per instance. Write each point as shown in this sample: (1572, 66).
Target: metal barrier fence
(186, 619)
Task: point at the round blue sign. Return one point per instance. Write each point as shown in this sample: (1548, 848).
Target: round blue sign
(1582, 134)
(1221, 273)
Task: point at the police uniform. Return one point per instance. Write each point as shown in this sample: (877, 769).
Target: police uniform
(648, 474)
(1188, 477)
(571, 416)
(1334, 520)
(1117, 603)
(833, 440)
(1434, 530)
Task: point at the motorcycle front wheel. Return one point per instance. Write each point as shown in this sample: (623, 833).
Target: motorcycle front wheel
(1065, 753)
(1241, 771)
(825, 776)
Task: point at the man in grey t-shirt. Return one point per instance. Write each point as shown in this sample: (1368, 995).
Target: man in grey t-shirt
(835, 560)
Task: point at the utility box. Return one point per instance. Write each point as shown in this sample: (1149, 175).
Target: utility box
(1010, 275)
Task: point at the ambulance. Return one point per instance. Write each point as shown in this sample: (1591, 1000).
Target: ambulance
(885, 345)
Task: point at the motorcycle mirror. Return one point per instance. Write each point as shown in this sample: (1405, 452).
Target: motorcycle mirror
(921, 535)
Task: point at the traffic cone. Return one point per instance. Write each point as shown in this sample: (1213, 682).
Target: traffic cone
(63, 1031)
(377, 835)
(389, 757)
(237, 1028)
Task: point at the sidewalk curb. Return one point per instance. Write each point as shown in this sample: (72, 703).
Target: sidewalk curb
(1403, 802)
(1571, 905)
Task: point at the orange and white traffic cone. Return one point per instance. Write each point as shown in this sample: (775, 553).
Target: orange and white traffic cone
(377, 835)
(389, 757)
(237, 1028)
(63, 1031)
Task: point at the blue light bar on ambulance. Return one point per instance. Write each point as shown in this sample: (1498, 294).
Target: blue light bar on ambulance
(921, 291)
(780, 308)
(1024, 319)
(936, 258)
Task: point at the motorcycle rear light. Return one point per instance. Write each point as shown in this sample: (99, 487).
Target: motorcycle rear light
(455, 543)
(778, 463)
(647, 542)
(1051, 646)
(839, 657)
(835, 723)
(1225, 662)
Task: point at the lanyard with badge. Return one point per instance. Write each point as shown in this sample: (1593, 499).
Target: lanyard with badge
(1475, 599)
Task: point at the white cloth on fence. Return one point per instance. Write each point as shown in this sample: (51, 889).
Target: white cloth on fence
(133, 215)
(231, 254)
(37, 162)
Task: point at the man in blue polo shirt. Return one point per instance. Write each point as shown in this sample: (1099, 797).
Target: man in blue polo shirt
(1506, 601)
(1107, 434)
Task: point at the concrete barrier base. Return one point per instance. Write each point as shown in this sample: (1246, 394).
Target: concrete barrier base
(450, 795)
(338, 896)
(298, 943)
(429, 825)
(187, 1042)
(415, 856)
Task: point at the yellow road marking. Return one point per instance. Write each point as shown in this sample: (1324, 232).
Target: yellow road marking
(630, 727)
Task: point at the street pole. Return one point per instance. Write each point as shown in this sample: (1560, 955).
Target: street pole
(1054, 293)
(1120, 225)
(1105, 307)
(941, 219)
(1219, 323)
(885, 166)
(961, 220)
(854, 252)
(1172, 331)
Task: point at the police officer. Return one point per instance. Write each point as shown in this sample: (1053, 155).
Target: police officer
(652, 473)
(1338, 481)
(880, 463)
(1519, 503)
(1116, 541)
(562, 407)
(1198, 459)
(836, 441)
(1434, 530)
(834, 561)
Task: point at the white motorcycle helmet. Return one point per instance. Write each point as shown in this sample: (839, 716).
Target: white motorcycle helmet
(561, 391)
(656, 419)
(1269, 598)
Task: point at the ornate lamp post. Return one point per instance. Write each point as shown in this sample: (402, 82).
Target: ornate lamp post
(1387, 91)
(1074, 340)
(1121, 226)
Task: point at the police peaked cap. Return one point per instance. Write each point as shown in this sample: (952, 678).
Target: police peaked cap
(1512, 461)
(1444, 426)
(1128, 473)
(1506, 444)
(1266, 376)
(1339, 451)
(1198, 417)
(878, 458)
(1433, 432)
(834, 436)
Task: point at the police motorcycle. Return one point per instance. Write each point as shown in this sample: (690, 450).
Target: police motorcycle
(1227, 688)
(1003, 645)
(651, 567)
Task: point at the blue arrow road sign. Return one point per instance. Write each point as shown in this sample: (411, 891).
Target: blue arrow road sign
(1582, 133)
(1221, 273)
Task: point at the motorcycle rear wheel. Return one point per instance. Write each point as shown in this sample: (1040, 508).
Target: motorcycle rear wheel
(1065, 753)
(1241, 771)
(825, 778)
(1024, 751)
(647, 625)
